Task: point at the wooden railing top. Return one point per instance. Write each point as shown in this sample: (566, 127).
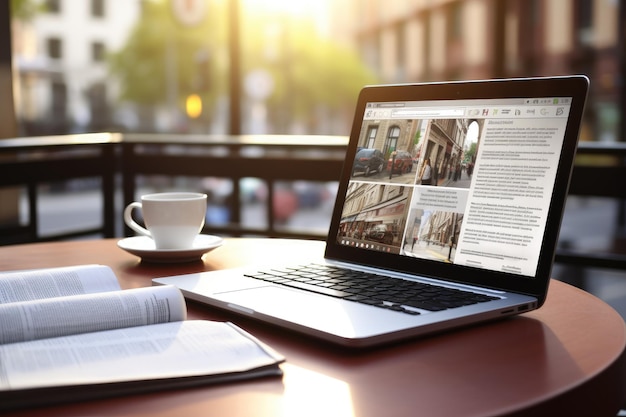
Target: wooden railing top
(174, 139)
(59, 140)
(238, 140)
(615, 148)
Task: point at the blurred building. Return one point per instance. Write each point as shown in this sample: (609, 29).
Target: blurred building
(408, 41)
(60, 66)
(62, 82)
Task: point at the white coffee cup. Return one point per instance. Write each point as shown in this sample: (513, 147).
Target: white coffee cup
(173, 220)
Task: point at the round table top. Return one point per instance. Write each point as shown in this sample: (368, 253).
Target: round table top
(565, 358)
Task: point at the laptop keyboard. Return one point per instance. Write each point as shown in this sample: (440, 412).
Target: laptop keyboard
(370, 288)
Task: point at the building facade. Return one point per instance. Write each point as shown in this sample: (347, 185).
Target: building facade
(415, 41)
(390, 135)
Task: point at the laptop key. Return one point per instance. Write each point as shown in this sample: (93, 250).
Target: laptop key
(425, 305)
(314, 288)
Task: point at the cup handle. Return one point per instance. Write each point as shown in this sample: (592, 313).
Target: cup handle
(128, 219)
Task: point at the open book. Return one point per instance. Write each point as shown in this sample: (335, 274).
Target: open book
(63, 328)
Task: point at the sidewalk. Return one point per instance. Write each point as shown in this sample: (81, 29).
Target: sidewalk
(463, 182)
(431, 251)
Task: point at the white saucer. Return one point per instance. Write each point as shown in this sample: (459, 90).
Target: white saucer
(144, 247)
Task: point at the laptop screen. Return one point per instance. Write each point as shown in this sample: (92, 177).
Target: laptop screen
(466, 182)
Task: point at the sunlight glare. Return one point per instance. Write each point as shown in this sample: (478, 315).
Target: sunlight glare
(292, 7)
(316, 10)
(332, 397)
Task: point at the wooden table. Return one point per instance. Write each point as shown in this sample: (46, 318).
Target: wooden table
(563, 359)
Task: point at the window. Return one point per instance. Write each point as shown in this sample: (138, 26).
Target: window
(53, 6)
(400, 50)
(55, 48)
(98, 106)
(392, 140)
(584, 21)
(97, 8)
(455, 21)
(59, 101)
(535, 12)
(97, 52)
(371, 136)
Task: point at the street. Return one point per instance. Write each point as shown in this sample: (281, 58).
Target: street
(410, 177)
(427, 250)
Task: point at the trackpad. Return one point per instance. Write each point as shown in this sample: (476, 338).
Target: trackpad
(310, 310)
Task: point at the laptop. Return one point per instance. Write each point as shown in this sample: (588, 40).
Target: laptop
(447, 214)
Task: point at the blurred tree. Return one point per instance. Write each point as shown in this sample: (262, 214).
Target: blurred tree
(25, 9)
(309, 72)
(163, 58)
(470, 153)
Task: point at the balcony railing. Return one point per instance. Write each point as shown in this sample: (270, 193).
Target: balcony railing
(125, 164)
(270, 159)
(133, 159)
(29, 163)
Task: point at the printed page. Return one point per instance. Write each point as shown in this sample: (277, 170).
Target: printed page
(16, 286)
(60, 316)
(164, 351)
